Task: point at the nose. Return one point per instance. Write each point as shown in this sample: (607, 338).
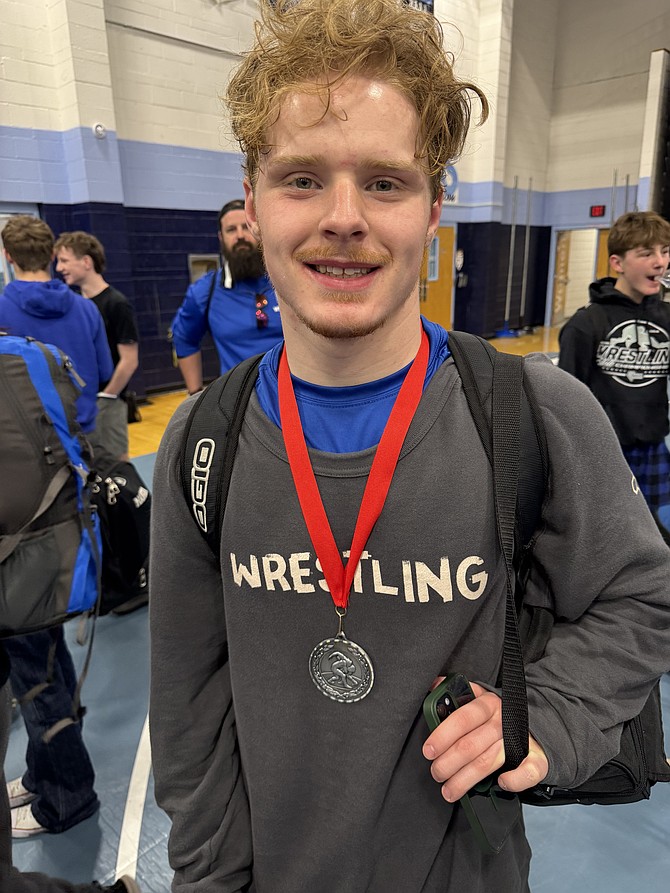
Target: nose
(344, 213)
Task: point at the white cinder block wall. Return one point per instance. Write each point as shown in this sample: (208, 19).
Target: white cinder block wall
(573, 99)
(567, 83)
(479, 33)
(170, 64)
(603, 52)
(531, 93)
(29, 92)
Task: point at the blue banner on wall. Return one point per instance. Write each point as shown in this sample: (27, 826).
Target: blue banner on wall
(450, 184)
(423, 5)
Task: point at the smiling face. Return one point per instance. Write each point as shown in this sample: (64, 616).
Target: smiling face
(73, 269)
(344, 211)
(640, 271)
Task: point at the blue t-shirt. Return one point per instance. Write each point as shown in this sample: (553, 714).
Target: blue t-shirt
(344, 419)
(231, 319)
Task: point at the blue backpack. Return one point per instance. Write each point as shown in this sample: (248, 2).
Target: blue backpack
(50, 543)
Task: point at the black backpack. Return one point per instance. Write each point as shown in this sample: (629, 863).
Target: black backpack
(50, 544)
(49, 532)
(510, 427)
(123, 502)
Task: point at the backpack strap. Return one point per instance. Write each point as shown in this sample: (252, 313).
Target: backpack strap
(509, 425)
(220, 408)
(507, 399)
(214, 425)
(9, 543)
(475, 359)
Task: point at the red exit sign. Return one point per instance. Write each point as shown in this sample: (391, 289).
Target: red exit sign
(597, 210)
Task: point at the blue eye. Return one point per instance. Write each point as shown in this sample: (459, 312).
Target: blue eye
(303, 182)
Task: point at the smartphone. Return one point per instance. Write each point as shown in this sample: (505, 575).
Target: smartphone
(491, 812)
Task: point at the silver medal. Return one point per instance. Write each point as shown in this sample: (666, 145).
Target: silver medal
(341, 670)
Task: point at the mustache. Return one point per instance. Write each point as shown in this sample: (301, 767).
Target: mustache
(361, 257)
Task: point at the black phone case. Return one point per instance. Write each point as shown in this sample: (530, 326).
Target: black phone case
(491, 812)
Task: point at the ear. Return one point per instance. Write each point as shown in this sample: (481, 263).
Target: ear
(615, 263)
(250, 209)
(434, 220)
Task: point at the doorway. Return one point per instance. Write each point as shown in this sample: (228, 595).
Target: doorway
(437, 278)
(603, 267)
(576, 263)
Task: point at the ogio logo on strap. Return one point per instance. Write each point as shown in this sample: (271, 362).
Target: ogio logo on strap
(202, 461)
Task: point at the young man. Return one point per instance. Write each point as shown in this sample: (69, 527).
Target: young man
(81, 262)
(280, 768)
(619, 345)
(46, 309)
(56, 791)
(236, 304)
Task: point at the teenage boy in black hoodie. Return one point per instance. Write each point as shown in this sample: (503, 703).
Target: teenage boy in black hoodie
(619, 346)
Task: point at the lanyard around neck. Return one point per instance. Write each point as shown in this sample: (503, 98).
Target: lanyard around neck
(338, 576)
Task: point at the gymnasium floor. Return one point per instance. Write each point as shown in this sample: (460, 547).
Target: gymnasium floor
(615, 849)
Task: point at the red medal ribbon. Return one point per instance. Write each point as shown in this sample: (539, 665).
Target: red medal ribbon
(338, 577)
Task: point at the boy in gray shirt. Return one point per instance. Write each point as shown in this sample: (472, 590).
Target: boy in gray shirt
(358, 554)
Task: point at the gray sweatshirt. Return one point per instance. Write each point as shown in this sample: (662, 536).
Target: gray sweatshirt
(274, 788)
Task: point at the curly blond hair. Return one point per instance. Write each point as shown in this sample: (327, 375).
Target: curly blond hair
(315, 44)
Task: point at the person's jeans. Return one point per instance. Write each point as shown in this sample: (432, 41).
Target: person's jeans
(11, 879)
(60, 771)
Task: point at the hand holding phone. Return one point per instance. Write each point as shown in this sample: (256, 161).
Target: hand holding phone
(491, 812)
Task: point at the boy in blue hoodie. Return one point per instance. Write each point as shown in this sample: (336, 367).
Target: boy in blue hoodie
(56, 791)
(619, 346)
(46, 309)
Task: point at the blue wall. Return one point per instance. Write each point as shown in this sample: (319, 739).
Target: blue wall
(480, 296)
(147, 250)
